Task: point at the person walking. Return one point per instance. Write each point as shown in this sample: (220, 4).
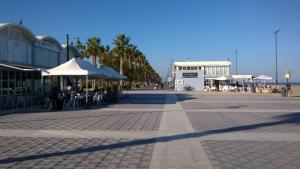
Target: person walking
(156, 86)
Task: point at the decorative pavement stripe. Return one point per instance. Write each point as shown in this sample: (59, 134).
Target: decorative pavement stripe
(76, 133)
(180, 151)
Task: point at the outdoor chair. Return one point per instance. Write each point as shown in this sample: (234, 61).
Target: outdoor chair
(213, 89)
(225, 88)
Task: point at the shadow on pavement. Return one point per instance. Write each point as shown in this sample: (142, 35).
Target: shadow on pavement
(291, 118)
(134, 99)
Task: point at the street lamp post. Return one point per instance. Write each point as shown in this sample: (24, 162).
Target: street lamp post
(68, 40)
(276, 54)
(236, 65)
(68, 57)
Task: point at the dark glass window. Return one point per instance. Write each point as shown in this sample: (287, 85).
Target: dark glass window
(189, 75)
(11, 82)
(24, 86)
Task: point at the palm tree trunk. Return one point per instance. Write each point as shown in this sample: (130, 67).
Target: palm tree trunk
(121, 72)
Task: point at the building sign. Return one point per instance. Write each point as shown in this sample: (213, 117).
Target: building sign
(190, 75)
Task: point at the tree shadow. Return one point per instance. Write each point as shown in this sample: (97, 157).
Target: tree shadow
(291, 118)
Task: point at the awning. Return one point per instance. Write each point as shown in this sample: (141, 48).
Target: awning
(224, 78)
(263, 77)
(211, 78)
(114, 74)
(219, 78)
(242, 77)
(21, 68)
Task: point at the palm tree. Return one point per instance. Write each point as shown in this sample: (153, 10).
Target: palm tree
(105, 56)
(121, 47)
(94, 48)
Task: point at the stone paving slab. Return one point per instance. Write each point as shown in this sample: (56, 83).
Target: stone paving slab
(241, 105)
(16, 152)
(253, 154)
(84, 120)
(245, 121)
(137, 106)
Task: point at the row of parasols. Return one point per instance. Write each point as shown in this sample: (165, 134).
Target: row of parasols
(242, 77)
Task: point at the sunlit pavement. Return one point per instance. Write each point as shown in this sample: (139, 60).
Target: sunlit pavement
(159, 129)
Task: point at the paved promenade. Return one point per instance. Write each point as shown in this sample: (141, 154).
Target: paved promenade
(159, 129)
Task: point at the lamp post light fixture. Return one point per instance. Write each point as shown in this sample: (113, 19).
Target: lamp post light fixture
(236, 65)
(68, 39)
(276, 54)
(287, 75)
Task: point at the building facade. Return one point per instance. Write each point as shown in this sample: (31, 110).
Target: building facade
(23, 55)
(193, 75)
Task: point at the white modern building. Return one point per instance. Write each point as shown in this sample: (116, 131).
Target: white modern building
(195, 74)
(23, 55)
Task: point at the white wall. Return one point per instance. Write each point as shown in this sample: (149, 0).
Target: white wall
(196, 83)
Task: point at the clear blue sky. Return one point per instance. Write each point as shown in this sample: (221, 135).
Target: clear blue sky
(177, 29)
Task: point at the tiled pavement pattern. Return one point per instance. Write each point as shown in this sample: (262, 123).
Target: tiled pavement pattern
(253, 154)
(63, 148)
(194, 130)
(245, 121)
(142, 101)
(84, 120)
(247, 116)
(68, 153)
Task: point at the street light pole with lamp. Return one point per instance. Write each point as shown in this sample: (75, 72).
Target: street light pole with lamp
(276, 54)
(68, 39)
(287, 75)
(236, 65)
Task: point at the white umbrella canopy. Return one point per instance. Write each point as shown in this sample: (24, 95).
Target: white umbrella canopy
(224, 78)
(76, 67)
(242, 77)
(263, 77)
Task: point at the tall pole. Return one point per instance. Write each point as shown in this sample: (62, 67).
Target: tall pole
(236, 64)
(276, 54)
(68, 47)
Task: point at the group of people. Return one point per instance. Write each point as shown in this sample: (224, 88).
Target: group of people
(74, 98)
